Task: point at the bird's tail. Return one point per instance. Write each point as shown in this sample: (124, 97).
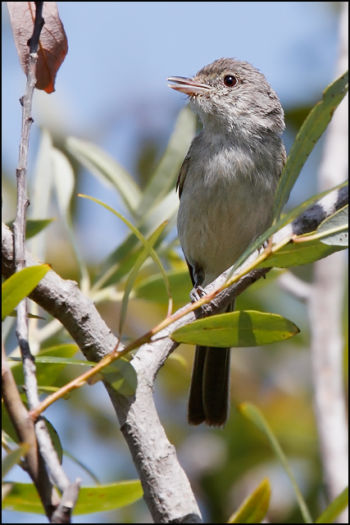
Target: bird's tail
(210, 384)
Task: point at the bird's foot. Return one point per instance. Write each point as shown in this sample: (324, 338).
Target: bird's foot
(197, 293)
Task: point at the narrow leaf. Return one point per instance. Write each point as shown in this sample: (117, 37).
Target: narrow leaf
(152, 288)
(82, 465)
(13, 458)
(49, 364)
(309, 133)
(296, 253)
(121, 376)
(337, 228)
(106, 169)
(19, 285)
(165, 176)
(252, 413)
(23, 497)
(335, 508)
(55, 439)
(282, 221)
(255, 506)
(240, 328)
(132, 275)
(138, 234)
(63, 177)
(35, 226)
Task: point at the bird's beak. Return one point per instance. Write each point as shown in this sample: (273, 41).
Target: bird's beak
(189, 86)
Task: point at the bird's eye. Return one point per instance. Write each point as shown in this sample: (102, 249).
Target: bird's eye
(230, 80)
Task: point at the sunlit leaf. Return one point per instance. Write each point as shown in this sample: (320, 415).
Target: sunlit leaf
(133, 274)
(139, 235)
(252, 413)
(23, 497)
(283, 220)
(165, 176)
(19, 285)
(49, 364)
(35, 226)
(240, 328)
(106, 169)
(335, 508)
(309, 133)
(13, 458)
(63, 176)
(336, 228)
(152, 288)
(64, 180)
(296, 253)
(121, 376)
(255, 506)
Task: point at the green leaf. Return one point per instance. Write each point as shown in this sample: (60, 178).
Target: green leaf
(121, 376)
(240, 328)
(106, 169)
(282, 221)
(132, 275)
(121, 260)
(335, 508)
(7, 425)
(254, 415)
(41, 186)
(139, 235)
(308, 135)
(49, 364)
(331, 236)
(82, 465)
(63, 177)
(24, 498)
(152, 288)
(35, 226)
(13, 458)
(296, 253)
(165, 176)
(255, 506)
(336, 228)
(19, 285)
(55, 438)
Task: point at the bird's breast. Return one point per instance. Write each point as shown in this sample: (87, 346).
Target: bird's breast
(223, 207)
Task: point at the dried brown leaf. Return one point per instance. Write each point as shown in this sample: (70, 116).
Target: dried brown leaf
(53, 44)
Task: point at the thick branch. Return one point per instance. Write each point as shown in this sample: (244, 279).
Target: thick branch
(166, 487)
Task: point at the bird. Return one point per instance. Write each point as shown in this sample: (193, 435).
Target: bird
(226, 187)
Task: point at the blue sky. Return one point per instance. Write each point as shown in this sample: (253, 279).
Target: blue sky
(112, 86)
(120, 54)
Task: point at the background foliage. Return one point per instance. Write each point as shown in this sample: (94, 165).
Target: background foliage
(223, 465)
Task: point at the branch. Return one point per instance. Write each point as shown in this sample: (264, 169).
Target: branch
(325, 310)
(47, 457)
(166, 488)
(24, 427)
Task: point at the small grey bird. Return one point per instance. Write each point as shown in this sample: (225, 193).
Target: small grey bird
(226, 186)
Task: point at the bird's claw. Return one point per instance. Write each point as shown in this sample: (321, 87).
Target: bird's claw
(197, 293)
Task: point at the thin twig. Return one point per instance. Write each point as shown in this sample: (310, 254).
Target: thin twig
(48, 455)
(24, 427)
